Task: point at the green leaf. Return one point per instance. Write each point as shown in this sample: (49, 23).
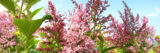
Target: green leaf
(30, 3)
(120, 51)
(101, 43)
(35, 12)
(106, 49)
(34, 51)
(9, 4)
(32, 43)
(100, 38)
(42, 34)
(29, 27)
(151, 51)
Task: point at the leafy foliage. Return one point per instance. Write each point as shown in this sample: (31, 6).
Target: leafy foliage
(9, 4)
(35, 12)
(29, 27)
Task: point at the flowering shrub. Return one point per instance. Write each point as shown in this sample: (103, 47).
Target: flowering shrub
(85, 30)
(131, 33)
(75, 39)
(51, 34)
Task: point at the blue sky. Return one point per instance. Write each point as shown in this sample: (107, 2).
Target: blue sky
(148, 8)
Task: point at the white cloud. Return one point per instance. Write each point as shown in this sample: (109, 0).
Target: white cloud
(154, 14)
(158, 9)
(2, 8)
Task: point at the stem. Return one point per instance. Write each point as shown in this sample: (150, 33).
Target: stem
(27, 44)
(9, 50)
(26, 48)
(27, 51)
(16, 44)
(21, 8)
(16, 48)
(106, 49)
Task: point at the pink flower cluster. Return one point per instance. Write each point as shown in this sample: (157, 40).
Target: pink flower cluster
(53, 31)
(6, 31)
(75, 40)
(130, 30)
(96, 6)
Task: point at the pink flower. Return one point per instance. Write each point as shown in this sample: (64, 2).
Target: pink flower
(145, 20)
(6, 30)
(130, 29)
(132, 49)
(67, 50)
(53, 32)
(75, 40)
(148, 42)
(12, 43)
(38, 47)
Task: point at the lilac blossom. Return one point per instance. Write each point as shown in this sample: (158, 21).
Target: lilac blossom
(75, 40)
(6, 31)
